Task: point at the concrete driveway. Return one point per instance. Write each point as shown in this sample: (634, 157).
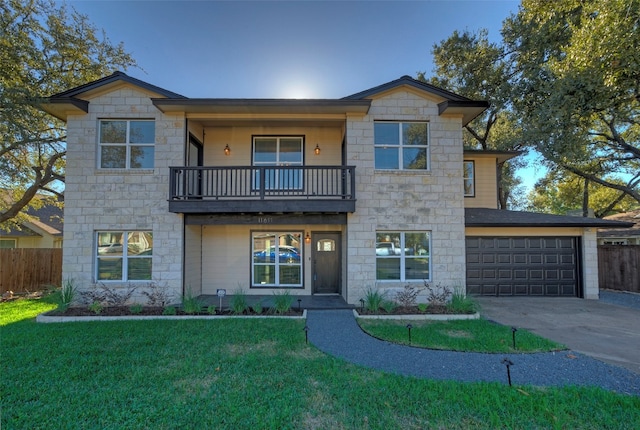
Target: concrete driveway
(607, 332)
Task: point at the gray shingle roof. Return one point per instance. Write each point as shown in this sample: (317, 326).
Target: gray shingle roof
(482, 217)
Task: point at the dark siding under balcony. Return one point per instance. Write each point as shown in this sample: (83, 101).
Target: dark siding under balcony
(262, 189)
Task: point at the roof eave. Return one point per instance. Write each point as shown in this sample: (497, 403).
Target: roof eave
(469, 110)
(62, 107)
(234, 106)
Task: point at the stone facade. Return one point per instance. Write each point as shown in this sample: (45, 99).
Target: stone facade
(119, 199)
(406, 200)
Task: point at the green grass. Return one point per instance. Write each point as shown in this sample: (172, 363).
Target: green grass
(465, 335)
(236, 374)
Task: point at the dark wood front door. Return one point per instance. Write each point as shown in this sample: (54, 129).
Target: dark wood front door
(326, 266)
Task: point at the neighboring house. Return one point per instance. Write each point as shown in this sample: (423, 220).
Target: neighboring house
(625, 236)
(323, 196)
(44, 229)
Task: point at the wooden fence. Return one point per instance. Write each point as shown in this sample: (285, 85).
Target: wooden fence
(29, 269)
(619, 267)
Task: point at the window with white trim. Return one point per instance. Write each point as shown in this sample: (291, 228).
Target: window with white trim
(277, 259)
(469, 178)
(403, 256)
(401, 145)
(124, 255)
(126, 144)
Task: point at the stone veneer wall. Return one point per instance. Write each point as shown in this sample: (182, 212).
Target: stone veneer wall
(116, 199)
(405, 200)
(590, 264)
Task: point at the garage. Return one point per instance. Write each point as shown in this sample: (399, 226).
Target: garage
(523, 266)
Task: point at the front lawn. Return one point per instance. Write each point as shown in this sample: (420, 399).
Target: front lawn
(466, 335)
(249, 374)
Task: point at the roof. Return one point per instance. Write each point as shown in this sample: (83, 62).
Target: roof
(501, 156)
(68, 102)
(482, 217)
(71, 102)
(632, 217)
(453, 103)
(48, 218)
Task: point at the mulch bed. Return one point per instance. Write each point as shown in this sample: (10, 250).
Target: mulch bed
(112, 311)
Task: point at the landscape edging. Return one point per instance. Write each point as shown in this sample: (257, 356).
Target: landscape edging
(420, 317)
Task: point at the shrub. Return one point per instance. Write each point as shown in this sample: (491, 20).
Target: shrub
(96, 307)
(257, 307)
(169, 310)
(238, 302)
(461, 303)
(407, 297)
(67, 294)
(422, 307)
(211, 309)
(373, 300)
(108, 296)
(157, 295)
(135, 308)
(438, 295)
(389, 306)
(282, 302)
(191, 305)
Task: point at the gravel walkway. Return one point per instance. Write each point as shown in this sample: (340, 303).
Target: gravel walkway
(337, 333)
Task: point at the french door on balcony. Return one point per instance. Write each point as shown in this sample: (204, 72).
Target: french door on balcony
(285, 151)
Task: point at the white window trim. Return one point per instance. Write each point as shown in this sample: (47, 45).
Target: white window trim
(125, 257)
(127, 144)
(400, 145)
(15, 243)
(403, 257)
(472, 178)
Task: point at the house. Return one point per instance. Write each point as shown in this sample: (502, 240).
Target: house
(624, 236)
(322, 196)
(43, 229)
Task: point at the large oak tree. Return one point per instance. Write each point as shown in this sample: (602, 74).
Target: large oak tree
(44, 49)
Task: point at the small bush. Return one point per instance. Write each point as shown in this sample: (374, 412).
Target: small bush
(407, 297)
(170, 310)
(373, 300)
(422, 307)
(389, 306)
(257, 307)
(108, 296)
(135, 308)
(158, 295)
(211, 309)
(238, 302)
(438, 295)
(460, 303)
(67, 294)
(282, 302)
(96, 307)
(191, 305)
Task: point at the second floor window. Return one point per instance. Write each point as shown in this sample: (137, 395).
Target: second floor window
(469, 181)
(278, 151)
(126, 144)
(401, 145)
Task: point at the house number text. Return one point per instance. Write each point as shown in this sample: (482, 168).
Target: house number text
(265, 220)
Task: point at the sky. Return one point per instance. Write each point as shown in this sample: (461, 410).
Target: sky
(287, 49)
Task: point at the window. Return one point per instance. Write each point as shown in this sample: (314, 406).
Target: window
(126, 144)
(403, 256)
(7, 243)
(278, 151)
(401, 145)
(124, 255)
(277, 259)
(469, 180)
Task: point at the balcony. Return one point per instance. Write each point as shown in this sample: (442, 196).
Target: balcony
(262, 189)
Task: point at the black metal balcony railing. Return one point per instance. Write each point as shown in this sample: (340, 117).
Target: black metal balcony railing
(262, 183)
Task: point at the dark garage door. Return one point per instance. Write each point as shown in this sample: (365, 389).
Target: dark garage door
(523, 266)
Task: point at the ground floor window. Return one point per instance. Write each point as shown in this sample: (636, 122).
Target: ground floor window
(7, 243)
(123, 255)
(403, 256)
(277, 259)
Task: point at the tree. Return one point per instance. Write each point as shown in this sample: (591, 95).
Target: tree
(468, 64)
(560, 192)
(578, 87)
(44, 49)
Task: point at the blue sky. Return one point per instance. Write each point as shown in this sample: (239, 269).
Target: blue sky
(283, 49)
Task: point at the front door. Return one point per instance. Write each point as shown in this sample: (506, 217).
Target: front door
(326, 266)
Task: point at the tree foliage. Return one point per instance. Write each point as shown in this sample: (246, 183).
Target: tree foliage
(578, 87)
(44, 49)
(468, 64)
